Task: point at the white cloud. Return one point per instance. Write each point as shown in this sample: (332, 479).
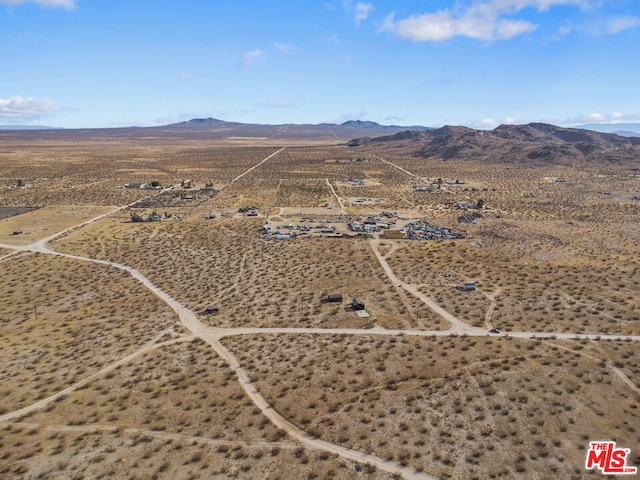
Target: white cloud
(68, 4)
(420, 28)
(595, 117)
(482, 20)
(445, 25)
(17, 108)
(562, 32)
(618, 24)
(362, 12)
(333, 38)
(540, 5)
(251, 57)
(284, 48)
(508, 28)
(615, 117)
(488, 123)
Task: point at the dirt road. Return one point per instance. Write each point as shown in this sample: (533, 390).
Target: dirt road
(45, 401)
(457, 326)
(255, 166)
(340, 202)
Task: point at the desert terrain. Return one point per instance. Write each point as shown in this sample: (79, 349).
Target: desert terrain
(166, 303)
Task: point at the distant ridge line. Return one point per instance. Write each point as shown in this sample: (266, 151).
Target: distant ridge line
(216, 122)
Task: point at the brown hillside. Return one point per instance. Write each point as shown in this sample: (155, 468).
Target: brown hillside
(532, 144)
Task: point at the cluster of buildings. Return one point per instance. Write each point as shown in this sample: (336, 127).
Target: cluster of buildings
(372, 224)
(355, 305)
(465, 205)
(154, 217)
(142, 186)
(188, 184)
(426, 231)
(369, 225)
(362, 226)
(185, 184)
(298, 231)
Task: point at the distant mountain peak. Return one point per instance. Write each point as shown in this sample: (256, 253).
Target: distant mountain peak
(360, 124)
(203, 122)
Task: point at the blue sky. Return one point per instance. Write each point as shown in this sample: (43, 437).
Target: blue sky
(109, 63)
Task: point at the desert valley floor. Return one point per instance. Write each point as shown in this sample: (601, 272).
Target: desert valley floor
(200, 342)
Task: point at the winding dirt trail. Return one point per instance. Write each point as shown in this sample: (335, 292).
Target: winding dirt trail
(492, 298)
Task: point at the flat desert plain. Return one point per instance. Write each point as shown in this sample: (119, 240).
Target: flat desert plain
(199, 341)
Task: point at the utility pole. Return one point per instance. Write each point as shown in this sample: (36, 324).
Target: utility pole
(35, 309)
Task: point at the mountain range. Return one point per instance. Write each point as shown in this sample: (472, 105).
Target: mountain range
(531, 144)
(345, 131)
(213, 129)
